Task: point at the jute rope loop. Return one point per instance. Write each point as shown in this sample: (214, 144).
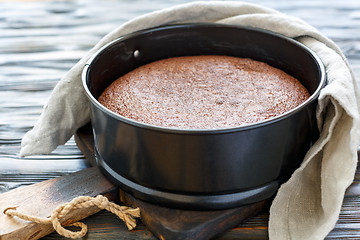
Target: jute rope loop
(126, 214)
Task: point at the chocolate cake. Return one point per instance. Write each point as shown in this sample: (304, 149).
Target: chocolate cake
(203, 92)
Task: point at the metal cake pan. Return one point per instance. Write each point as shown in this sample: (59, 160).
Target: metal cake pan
(198, 168)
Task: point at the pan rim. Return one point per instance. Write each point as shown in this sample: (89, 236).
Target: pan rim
(313, 97)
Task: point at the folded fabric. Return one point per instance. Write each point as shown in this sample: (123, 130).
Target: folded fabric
(307, 206)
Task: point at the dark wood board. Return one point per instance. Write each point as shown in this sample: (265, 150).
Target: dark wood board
(175, 224)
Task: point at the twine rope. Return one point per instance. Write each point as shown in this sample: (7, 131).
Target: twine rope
(126, 214)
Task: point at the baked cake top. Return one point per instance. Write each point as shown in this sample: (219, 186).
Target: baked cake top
(203, 92)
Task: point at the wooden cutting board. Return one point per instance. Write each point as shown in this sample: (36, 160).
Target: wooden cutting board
(41, 198)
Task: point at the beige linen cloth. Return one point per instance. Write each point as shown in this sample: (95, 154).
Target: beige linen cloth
(305, 207)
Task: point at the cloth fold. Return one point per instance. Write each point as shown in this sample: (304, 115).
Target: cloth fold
(308, 204)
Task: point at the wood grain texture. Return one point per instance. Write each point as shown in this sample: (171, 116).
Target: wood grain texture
(42, 198)
(41, 40)
(166, 223)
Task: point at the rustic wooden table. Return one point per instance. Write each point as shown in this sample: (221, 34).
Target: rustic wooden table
(41, 40)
